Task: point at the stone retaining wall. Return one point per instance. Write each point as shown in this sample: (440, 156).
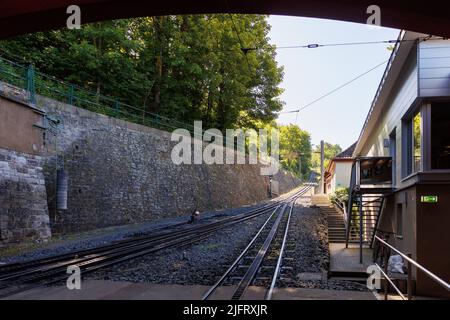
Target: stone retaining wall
(120, 172)
(23, 198)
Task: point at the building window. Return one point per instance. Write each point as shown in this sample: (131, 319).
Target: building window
(440, 135)
(412, 144)
(417, 144)
(399, 220)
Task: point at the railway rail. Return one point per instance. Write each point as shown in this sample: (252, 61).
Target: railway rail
(18, 277)
(263, 255)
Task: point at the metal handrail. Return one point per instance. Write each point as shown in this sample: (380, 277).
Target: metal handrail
(391, 282)
(423, 269)
(350, 203)
(342, 207)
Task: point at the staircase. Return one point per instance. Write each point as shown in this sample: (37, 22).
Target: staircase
(336, 225)
(320, 200)
(371, 205)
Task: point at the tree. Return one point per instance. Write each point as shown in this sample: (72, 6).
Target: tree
(295, 149)
(188, 67)
(330, 151)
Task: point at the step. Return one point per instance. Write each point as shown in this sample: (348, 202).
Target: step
(348, 274)
(351, 279)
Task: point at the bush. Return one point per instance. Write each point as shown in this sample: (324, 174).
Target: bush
(340, 195)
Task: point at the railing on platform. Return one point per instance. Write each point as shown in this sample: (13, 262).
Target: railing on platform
(410, 264)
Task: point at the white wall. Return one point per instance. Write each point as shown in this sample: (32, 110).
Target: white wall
(342, 174)
(402, 97)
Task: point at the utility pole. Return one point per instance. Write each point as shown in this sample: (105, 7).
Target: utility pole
(300, 164)
(322, 168)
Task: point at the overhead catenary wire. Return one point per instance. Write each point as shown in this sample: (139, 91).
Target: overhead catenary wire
(335, 89)
(324, 45)
(242, 48)
(341, 44)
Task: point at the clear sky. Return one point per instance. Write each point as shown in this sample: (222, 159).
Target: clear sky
(311, 73)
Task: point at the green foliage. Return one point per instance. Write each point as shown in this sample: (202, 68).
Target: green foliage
(340, 195)
(295, 150)
(330, 151)
(183, 67)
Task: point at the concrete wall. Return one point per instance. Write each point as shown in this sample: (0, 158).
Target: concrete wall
(23, 198)
(19, 129)
(433, 238)
(425, 232)
(121, 173)
(388, 222)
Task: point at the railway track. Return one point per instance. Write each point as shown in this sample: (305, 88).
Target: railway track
(262, 259)
(23, 276)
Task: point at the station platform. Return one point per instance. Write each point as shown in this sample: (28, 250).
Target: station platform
(347, 259)
(116, 290)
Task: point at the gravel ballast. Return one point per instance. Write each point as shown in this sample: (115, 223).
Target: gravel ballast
(199, 264)
(306, 260)
(95, 238)
(203, 263)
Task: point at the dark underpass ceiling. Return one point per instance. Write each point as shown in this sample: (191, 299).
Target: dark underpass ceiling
(25, 16)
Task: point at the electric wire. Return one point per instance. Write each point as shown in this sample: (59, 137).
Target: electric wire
(334, 90)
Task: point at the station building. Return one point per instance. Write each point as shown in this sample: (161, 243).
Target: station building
(337, 174)
(401, 173)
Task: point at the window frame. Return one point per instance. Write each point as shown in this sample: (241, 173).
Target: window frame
(428, 108)
(407, 141)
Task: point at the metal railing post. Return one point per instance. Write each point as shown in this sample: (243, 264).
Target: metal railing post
(360, 229)
(31, 89)
(386, 283)
(71, 92)
(409, 284)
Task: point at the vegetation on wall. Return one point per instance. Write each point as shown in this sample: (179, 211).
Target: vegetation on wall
(340, 195)
(220, 69)
(184, 67)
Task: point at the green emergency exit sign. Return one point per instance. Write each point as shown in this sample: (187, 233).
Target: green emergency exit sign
(429, 199)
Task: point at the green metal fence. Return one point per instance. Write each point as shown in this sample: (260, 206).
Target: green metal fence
(37, 83)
